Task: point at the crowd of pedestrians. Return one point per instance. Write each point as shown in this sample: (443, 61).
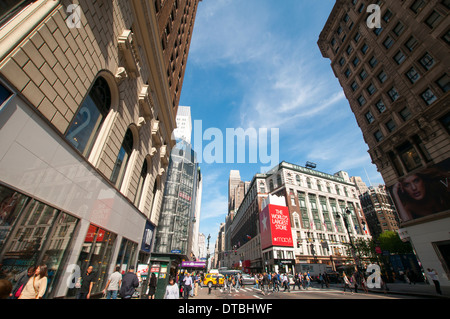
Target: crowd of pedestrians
(32, 284)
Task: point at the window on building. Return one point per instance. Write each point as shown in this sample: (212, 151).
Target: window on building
(87, 122)
(393, 94)
(4, 95)
(399, 57)
(444, 83)
(377, 31)
(33, 232)
(417, 6)
(399, 28)
(371, 89)
(342, 61)
(446, 37)
(123, 157)
(433, 19)
(380, 106)
(388, 42)
(9, 8)
(279, 180)
(422, 149)
(373, 62)
(409, 156)
(369, 117)
(390, 125)
(413, 75)
(363, 74)
(361, 100)
(355, 61)
(271, 185)
(411, 43)
(405, 114)
(396, 163)
(347, 73)
(349, 50)
(428, 96)
(141, 182)
(382, 77)
(427, 61)
(378, 136)
(387, 16)
(361, 8)
(354, 86)
(364, 48)
(445, 121)
(357, 37)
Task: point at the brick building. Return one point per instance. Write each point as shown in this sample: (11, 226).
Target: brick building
(396, 80)
(88, 95)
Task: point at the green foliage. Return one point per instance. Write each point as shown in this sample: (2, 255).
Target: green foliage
(390, 241)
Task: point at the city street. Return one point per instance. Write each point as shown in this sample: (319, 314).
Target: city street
(335, 292)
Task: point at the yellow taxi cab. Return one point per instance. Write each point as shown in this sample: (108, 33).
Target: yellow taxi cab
(213, 280)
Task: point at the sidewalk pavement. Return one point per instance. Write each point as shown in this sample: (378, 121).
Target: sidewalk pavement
(418, 290)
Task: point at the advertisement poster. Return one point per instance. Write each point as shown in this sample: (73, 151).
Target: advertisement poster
(423, 193)
(275, 226)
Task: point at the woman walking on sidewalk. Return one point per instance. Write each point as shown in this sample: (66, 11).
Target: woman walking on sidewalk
(346, 283)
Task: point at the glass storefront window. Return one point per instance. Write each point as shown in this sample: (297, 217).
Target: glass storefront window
(127, 254)
(96, 252)
(32, 233)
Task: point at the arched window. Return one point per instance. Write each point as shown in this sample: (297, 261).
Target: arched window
(87, 122)
(141, 183)
(122, 159)
(271, 185)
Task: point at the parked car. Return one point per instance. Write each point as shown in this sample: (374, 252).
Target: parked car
(248, 280)
(213, 280)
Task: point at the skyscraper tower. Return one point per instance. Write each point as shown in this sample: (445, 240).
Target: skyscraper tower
(396, 80)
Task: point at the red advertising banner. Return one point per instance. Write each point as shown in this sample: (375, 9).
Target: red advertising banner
(275, 226)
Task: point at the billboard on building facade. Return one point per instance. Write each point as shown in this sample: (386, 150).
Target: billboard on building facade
(275, 226)
(423, 193)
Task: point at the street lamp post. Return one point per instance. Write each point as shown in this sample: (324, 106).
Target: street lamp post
(347, 211)
(207, 253)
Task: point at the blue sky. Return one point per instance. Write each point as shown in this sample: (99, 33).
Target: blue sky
(256, 64)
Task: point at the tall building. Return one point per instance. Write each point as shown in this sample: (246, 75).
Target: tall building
(315, 204)
(184, 124)
(178, 232)
(361, 187)
(379, 210)
(87, 117)
(175, 19)
(175, 232)
(396, 80)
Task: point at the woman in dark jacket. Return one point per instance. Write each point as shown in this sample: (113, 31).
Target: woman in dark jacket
(152, 286)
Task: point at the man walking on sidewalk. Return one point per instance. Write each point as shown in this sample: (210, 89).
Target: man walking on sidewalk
(433, 275)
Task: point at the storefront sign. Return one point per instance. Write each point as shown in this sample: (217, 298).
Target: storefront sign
(275, 226)
(147, 237)
(193, 264)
